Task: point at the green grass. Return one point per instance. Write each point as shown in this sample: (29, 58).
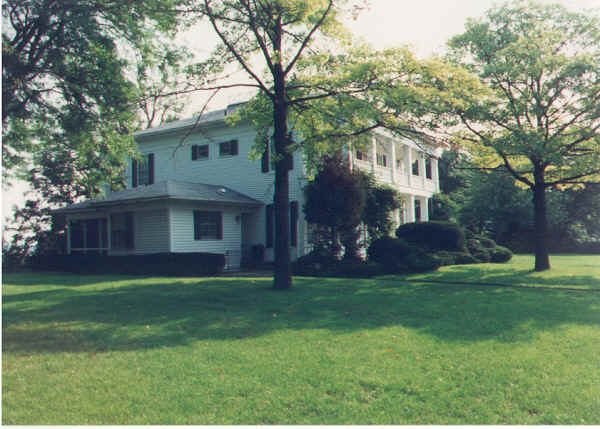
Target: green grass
(462, 345)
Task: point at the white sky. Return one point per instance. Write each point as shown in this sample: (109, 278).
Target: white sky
(424, 24)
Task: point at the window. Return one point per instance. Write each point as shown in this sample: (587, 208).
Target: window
(361, 155)
(199, 152)
(208, 225)
(294, 223)
(415, 167)
(229, 148)
(121, 230)
(269, 225)
(428, 170)
(143, 170)
(265, 162)
(381, 160)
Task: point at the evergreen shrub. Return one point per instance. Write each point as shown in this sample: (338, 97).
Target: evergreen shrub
(433, 236)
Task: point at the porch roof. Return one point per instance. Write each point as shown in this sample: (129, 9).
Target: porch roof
(168, 190)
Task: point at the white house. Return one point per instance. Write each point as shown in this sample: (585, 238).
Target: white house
(196, 190)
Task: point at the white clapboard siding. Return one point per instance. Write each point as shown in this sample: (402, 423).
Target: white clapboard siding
(151, 231)
(173, 161)
(182, 227)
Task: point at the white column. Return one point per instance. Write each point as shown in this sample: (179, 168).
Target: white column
(425, 209)
(393, 161)
(408, 164)
(350, 157)
(373, 153)
(422, 169)
(410, 209)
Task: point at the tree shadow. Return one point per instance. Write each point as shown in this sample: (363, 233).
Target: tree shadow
(476, 274)
(143, 316)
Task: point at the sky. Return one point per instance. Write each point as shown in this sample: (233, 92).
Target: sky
(426, 25)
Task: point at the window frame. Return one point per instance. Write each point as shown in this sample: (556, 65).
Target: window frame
(217, 218)
(196, 152)
(229, 144)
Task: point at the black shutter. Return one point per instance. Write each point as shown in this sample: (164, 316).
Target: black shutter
(196, 226)
(269, 226)
(150, 168)
(134, 173)
(294, 223)
(194, 153)
(234, 147)
(265, 160)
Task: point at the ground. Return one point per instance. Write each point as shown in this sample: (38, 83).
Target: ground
(484, 344)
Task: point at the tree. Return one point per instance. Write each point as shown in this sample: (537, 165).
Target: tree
(542, 123)
(68, 104)
(317, 94)
(335, 200)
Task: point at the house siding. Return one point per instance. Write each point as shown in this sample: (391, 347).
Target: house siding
(151, 231)
(182, 227)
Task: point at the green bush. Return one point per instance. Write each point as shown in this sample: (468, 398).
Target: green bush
(478, 251)
(485, 242)
(316, 263)
(388, 250)
(454, 258)
(398, 256)
(500, 254)
(358, 269)
(433, 236)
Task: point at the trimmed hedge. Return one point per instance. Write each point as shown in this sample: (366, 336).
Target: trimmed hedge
(315, 264)
(500, 254)
(454, 258)
(398, 256)
(433, 236)
(155, 264)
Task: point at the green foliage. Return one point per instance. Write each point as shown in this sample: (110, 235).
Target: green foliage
(454, 258)
(500, 254)
(542, 123)
(398, 256)
(380, 203)
(433, 235)
(443, 208)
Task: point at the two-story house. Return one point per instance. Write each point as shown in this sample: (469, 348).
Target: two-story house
(196, 190)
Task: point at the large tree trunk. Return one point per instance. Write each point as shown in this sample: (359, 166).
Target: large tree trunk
(282, 275)
(542, 258)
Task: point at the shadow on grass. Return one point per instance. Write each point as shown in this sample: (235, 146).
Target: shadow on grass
(475, 274)
(170, 313)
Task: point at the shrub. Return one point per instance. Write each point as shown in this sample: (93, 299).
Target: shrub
(454, 258)
(358, 269)
(398, 256)
(388, 250)
(433, 236)
(500, 254)
(485, 242)
(316, 263)
(161, 264)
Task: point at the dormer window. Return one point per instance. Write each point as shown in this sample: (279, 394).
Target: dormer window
(229, 148)
(381, 160)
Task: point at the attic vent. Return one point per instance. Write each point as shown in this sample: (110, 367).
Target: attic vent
(221, 191)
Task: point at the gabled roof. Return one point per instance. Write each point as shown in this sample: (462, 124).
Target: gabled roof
(169, 190)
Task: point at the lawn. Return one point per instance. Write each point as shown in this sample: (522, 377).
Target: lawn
(481, 344)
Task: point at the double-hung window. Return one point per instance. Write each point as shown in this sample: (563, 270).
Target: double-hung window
(228, 148)
(199, 152)
(142, 171)
(208, 225)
